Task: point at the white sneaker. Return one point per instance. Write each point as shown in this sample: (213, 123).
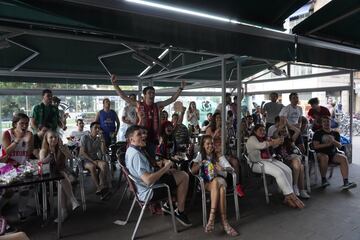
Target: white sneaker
(296, 190)
(304, 194)
(64, 216)
(75, 204)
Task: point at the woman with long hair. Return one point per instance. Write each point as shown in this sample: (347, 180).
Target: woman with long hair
(53, 152)
(18, 143)
(258, 150)
(167, 146)
(214, 130)
(292, 157)
(193, 117)
(212, 168)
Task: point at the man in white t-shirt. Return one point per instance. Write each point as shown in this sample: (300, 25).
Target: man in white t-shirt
(76, 135)
(128, 118)
(293, 114)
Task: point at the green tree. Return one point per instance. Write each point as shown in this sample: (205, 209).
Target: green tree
(8, 110)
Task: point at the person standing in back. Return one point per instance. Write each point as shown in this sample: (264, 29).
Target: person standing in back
(109, 122)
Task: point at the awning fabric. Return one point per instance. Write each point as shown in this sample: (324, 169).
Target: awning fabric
(264, 13)
(152, 33)
(338, 21)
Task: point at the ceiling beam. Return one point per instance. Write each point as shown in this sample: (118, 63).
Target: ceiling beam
(325, 74)
(91, 92)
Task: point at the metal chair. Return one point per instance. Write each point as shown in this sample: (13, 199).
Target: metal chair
(120, 155)
(263, 175)
(80, 166)
(331, 166)
(143, 204)
(307, 172)
(72, 159)
(203, 193)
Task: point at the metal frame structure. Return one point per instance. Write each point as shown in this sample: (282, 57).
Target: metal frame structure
(173, 74)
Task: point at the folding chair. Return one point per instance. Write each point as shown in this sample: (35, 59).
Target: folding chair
(331, 166)
(307, 172)
(143, 204)
(80, 166)
(263, 175)
(72, 158)
(121, 160)
(203, 193)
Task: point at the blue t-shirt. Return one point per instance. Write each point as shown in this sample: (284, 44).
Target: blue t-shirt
(138, 165)
(107, 121)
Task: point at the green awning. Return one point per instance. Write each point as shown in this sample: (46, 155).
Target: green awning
(23, 12)
(263, 13)
(338, 21)
(65, 26)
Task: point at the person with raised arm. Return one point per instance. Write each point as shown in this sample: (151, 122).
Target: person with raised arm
(148, 111)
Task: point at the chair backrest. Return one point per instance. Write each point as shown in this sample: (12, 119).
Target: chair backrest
(117, 149)
(246, 157)
(120, 156)
(126, 173)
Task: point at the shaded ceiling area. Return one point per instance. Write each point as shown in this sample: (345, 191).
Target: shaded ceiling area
(337, 21)
(83, 41)
(264, 13)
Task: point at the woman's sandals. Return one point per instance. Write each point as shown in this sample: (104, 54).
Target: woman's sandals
(293, 201)
(227, 228)
(211, 223)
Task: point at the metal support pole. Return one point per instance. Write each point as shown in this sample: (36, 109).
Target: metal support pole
(351, 99)
(223, 110)
(139, 89)
(44, 200)
(288, 72)
(238, 110)
(60, 216)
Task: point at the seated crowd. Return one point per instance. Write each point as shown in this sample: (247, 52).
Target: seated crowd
(274, 135)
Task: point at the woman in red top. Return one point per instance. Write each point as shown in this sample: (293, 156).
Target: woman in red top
(18, 141)
(18, 144)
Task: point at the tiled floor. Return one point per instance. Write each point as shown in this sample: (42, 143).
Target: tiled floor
(329, 215)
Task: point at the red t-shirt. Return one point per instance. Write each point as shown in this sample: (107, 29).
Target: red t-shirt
(150, 119)
(316, 116)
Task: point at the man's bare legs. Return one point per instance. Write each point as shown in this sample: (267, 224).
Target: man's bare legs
(182, 182)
